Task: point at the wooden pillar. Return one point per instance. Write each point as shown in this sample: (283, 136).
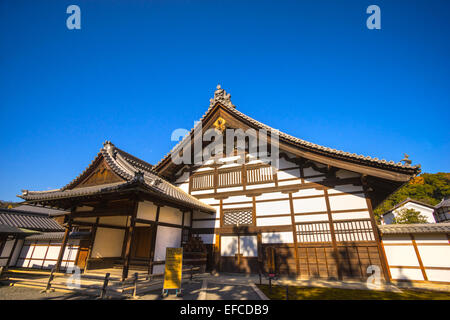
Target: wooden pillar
(91, 243)
(129, 241)
(333, 235)
(294, 234)
(376, 232)
(63, 245)
(153, 244)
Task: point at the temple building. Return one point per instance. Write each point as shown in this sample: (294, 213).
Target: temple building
(309, 215)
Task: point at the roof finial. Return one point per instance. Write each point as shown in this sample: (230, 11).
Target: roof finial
(108, 145)
(406, 160)
(220, 95)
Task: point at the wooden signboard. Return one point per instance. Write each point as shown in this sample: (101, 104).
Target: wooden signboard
(270, 257)
(173, 269)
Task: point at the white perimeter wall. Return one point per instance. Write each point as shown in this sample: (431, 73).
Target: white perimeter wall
(434, 250)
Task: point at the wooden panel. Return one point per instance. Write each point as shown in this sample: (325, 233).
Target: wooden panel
(141, 243)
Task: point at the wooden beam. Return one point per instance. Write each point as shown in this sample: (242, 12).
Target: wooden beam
(416, 249)
(333, 235)
(376, 232)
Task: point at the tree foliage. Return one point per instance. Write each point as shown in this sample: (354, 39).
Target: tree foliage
(430, 188)
(406, 216)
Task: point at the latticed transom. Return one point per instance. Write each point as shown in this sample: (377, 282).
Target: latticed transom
(345, 231)
(238, 217)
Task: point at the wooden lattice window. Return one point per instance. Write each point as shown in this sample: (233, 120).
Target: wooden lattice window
(243, 216)
(314, 232)
(259, 175)
(353, 230)
(202, 181)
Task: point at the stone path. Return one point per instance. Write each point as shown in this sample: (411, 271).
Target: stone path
(208, 289)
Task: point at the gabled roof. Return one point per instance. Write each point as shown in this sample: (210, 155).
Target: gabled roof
(133, 173)
(410, 200)
(32, 221)
(223, 100)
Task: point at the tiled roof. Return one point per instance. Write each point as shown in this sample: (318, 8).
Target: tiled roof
(33, 221)
(59, 236)
(10, 230)
(367, 160)
(134, 171)
(40, 209)
(415, 228)
(443, 203)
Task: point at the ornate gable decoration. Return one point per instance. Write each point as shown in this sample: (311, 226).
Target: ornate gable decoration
(220, 124)
(220, 95)
(101, 175)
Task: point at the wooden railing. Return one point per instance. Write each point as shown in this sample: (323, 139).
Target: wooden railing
(231, 177)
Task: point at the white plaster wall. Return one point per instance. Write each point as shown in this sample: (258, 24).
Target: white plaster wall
(345, 188)
(248, 246)
(108, 243)
(308, 192)
(406, 274)
(438, 275)
(309, 205)
(286, 164)
(147, 210)
(277, 237)
(236, 199)
(273, 207)
(272, 195)
(120, 221)
(262, 185)
(170, 215)
(288, 174)
(166, 237)
(348, 202)
(228, 246)
(435, 256)
(351, 215)
(311, 217)
(187, 219)
(206, 224)
(289, 183)
(278, 221)
(401, 256)
(229, 189)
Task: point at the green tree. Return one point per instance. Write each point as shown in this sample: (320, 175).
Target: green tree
(407, 216)
(430, 188)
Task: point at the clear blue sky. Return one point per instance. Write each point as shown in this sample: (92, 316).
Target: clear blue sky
(137, 70)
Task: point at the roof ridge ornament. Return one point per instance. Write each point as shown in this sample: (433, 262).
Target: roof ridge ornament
(406, 160)
(139, 176)
(220, 95)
